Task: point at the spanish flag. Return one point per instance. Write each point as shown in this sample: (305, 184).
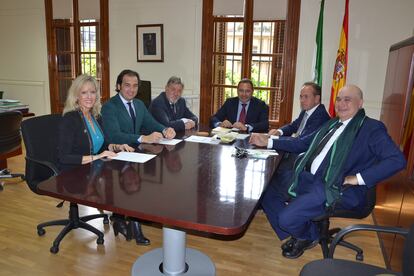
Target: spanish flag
(408, 128)
(341, 63)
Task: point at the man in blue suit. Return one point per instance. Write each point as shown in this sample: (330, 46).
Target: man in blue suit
(170, 109)
(244, 112)
(348, 155)
(312, 117)
(125, 118)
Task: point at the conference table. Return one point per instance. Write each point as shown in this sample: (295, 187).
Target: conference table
(191, 186)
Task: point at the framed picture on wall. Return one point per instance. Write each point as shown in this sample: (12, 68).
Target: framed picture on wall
(150, 43)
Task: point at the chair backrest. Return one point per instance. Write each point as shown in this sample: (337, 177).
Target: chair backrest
(40, 135)
(10, 138)
(408, 255)
(144, 92)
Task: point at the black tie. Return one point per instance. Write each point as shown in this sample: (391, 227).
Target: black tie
(173, 108)
(132, 113)
(321, 145)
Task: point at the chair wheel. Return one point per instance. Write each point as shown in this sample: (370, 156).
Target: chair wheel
(359, 257)
(105, 220)
(41, 231)
(100, 241)
(54, 249)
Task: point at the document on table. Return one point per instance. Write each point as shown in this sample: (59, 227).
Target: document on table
(133, 157)
(171, 142)
(259, 153)
(202, 139)
(241, 136)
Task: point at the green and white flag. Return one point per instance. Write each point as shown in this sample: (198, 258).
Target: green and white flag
(317, 69)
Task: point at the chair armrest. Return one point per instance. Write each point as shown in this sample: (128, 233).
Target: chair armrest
(47, 164)
(364, 227)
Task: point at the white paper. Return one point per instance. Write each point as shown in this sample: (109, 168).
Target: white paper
(171, 142)
(242, 136)
(133, 157)
(202, 139)
(261, 153)
(220, 130)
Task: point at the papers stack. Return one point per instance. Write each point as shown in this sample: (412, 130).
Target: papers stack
(220, 130)
(12, 105)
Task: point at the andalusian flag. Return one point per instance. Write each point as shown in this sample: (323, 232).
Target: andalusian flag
(317, 70)
(341, 64)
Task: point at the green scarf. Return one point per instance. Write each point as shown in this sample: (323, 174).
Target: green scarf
(339, 152)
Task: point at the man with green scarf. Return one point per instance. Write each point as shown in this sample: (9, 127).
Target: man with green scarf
(350, 150)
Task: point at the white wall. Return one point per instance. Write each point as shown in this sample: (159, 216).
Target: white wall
(182, 43)
(23, 53)
(374, 25)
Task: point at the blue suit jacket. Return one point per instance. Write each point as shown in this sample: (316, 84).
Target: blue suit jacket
(373, 154)
(257, 114)
(314, 122)
(161, 110)
(117, 123)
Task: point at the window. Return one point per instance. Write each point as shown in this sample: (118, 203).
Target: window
(77, 44)
(245, 44)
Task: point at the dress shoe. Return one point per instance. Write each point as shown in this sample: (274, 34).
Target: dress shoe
(298, 248)
(288, 244)
(135, 231)
(120, 226)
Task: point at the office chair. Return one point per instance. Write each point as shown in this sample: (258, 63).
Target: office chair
(10, 139)
(40, 137)
(144, 92)
(326, 235)
(338, 267)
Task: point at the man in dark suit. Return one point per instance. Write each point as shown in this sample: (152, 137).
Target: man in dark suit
(311, 118)
(244, 112)
(125, 117)
(348, 155)
(170, 109)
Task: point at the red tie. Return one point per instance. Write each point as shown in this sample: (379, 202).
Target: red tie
(242, 117)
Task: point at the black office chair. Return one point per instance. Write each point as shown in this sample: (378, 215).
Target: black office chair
(326, 235)
(10, 139)
(144, 92)
(338, 267)
(40, 137)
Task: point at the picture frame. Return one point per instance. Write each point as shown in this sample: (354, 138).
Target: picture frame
(150, 43)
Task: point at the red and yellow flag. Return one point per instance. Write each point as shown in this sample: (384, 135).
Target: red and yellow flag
(408, 128)
(341, 63)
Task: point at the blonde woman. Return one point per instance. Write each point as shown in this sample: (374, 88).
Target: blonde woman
(81, 139)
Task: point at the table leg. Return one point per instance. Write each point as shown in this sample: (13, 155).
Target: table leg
(174, 258)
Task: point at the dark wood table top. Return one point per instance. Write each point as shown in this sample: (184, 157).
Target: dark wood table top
(191, 186)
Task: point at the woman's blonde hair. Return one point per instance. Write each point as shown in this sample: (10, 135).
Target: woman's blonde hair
(71, 103)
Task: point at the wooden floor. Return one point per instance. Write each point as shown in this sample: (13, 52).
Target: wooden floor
(23, 252)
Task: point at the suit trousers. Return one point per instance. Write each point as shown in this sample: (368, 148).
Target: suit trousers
(293, 216)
